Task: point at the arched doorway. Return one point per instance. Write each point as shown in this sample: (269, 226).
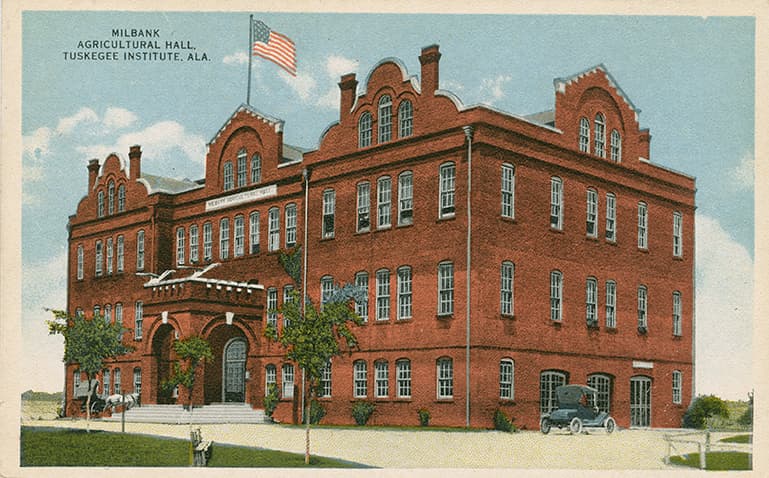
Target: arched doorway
(234, 371)
(162, 358)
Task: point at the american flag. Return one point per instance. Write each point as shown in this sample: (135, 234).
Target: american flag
(274, 46)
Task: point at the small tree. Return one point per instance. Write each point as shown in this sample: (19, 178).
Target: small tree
(88, 343)
(702, 409)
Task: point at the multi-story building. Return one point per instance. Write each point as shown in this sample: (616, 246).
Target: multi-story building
(503, 255)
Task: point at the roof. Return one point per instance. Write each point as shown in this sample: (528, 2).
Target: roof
(292, 154)
(543, 117)
(561, 83)
(276, 123)
(160, 184)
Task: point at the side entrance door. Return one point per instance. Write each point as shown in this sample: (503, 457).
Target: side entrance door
(640, 402)
(234, 389)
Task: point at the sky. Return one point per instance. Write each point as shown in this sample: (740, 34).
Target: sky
(691, 77)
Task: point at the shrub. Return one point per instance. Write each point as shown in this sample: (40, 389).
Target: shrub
(702, 409)
(424, 417)
(746, 418)
(502, 423)
(361, 411)
(317, 412)
(271, 399)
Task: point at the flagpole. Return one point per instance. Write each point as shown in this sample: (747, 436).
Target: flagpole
(249, 53)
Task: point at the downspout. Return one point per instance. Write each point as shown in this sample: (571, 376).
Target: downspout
(306, 177)
(694, 311)
(469, 136)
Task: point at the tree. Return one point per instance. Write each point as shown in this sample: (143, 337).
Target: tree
(702, 409)
(313, 338)
(88, 343)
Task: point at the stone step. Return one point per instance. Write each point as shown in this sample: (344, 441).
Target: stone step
(214, 413)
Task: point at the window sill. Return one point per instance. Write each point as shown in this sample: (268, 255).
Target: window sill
(404, 320)
(362, 232)
(444, 316)
(611, 330)
(405, 224)
(678, 258)
(507, 316)
(556, 231)
(327, 238)
(448, 217)
(381, 321)
(381, 399)
(557, 323)
(402, 400)
(384, 228)
(678, 337)
(591, 238)
(511, 220)
(446, 400)
(611, 242)
(644, 250)
(508, 402)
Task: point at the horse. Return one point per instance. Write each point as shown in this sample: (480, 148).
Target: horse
(131, 399)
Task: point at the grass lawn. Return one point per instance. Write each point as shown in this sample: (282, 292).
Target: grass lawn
(716, 460)
(738, 439)
(69, 447)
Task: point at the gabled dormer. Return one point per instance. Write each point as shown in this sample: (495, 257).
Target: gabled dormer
(246, 151)
(112, 187)
(598, 119)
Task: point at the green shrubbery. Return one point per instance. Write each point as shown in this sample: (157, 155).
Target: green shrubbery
(502, 423)
(317, 412)
(271, 399)
(361, 411)
(424, 417)
(702, 409)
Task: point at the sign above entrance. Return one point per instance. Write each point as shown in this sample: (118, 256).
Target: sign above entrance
(640, 364)
(240, 198)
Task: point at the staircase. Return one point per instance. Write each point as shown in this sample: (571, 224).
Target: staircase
(214, 413)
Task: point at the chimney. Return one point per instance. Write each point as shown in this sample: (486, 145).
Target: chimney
(429, 59)
(135, 155)
(348, 88)
(93, 171)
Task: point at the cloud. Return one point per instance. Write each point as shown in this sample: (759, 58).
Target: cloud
(742, 174)
(118, 118)
(336, 66)
(303, 83)
(453, 86)
(493, 89)
(35, 145)
(239, 58)
(724, 311)
(68, 123)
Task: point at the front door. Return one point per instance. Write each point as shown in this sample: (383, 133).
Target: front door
(640, 402)
(234, 389)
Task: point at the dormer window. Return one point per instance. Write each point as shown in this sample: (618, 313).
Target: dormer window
(242, 157)
(256, 169)
(405, 119)
(364, 130)
(616, 146)
(600, 136)
(385, 119)
(228, 179)
(584, 135)
(111, 198)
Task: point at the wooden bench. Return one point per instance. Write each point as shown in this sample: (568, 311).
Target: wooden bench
(201, 449)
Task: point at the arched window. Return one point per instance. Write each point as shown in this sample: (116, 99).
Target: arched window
(121, 198)
(180, 235)
(403, 371)
(80, 259)
(290, 225)
(592, 213)
(385, 118)
(405, 198)
(584, 135)
(324, 389)
(360, 379)
(288, 381)
(383, 294)
(404, 292)
(256, 169)
(120, 253)
(270, 378)
(643, 222)
(508, 191)
(447, 184)
(117, 387)
(603, 384)
(591, 302)
(445, 376)
(99, 259)
(326, 289)
(224, 238)
(677, 314)
(137, 380)
(506, 379)
(642, 306)
(111, 198)
(556, 294)
(240, 235)
(611, 304)
(556, 203)
(506, 288)
(616, 146)
(677, 379)
(253, 228)
(446, 288)
(381, 378)
(109, 251)
(600, 136)
(364, 207)
(228, 179)
(361, 306)
(549, 380)
(364, 130)
(273, 229)
(405, 119)
(384, 200)
(242, 167)
(100, 204)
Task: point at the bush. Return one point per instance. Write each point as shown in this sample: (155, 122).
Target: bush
(424, 417)
(502, 423)
(271, 399)
(702, 409)
(317, 412)
(746, 418)
(361, 411)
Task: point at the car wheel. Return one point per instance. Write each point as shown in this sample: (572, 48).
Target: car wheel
(575, 427)
(544, 426)
(610, 425)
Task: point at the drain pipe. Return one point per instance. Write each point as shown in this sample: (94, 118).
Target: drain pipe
(469, 136)
(306, 177)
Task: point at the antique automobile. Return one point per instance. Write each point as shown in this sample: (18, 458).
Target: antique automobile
(576, 409)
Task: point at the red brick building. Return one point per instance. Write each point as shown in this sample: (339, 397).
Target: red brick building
(580, 254)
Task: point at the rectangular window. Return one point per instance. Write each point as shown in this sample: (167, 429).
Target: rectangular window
(447, 185)
(556, 293)
(591, 302)
(117, 386)
(106, 375)
(611, 217)
(384, 200)
(138, 319)
(325, 381)
(242, 157)
(677, 314)
(224, 238)
(592, 213)
(445, 288)
(273, 229)
(80, 261)
(99, 258)
(677, 234)
(642, 302)
(642, 226)
(288, 381)
(677, 387)
(382, 379)
(403, 368)
(364, 207)
(584, 135)
(287, 298)
(119, 314)
(272, 307)
(506, 289)
(228, 179)
(361, 306)
(329, 206)
(506, 379)
(256, 169)
(404, 293)
(508, 191)
(208, 241)
(548, 382)
(240, 236)
(383, 295)
(109, 256)
(326, 289)
(445, 378)
(405, 198)
(290, 225)
(194, 252)
(76, 377)
(120, 254)
(180, 234)
(360, 379)
(107, 314)
(556, 203)
(611, 304)
(253, 228)
(121, 198)
(138, 381)
(270, 378)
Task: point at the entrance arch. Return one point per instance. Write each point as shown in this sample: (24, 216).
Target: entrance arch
(162, 361)
(234, 370)
(225, 377)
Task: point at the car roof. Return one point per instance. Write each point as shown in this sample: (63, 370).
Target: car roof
(572, 393)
